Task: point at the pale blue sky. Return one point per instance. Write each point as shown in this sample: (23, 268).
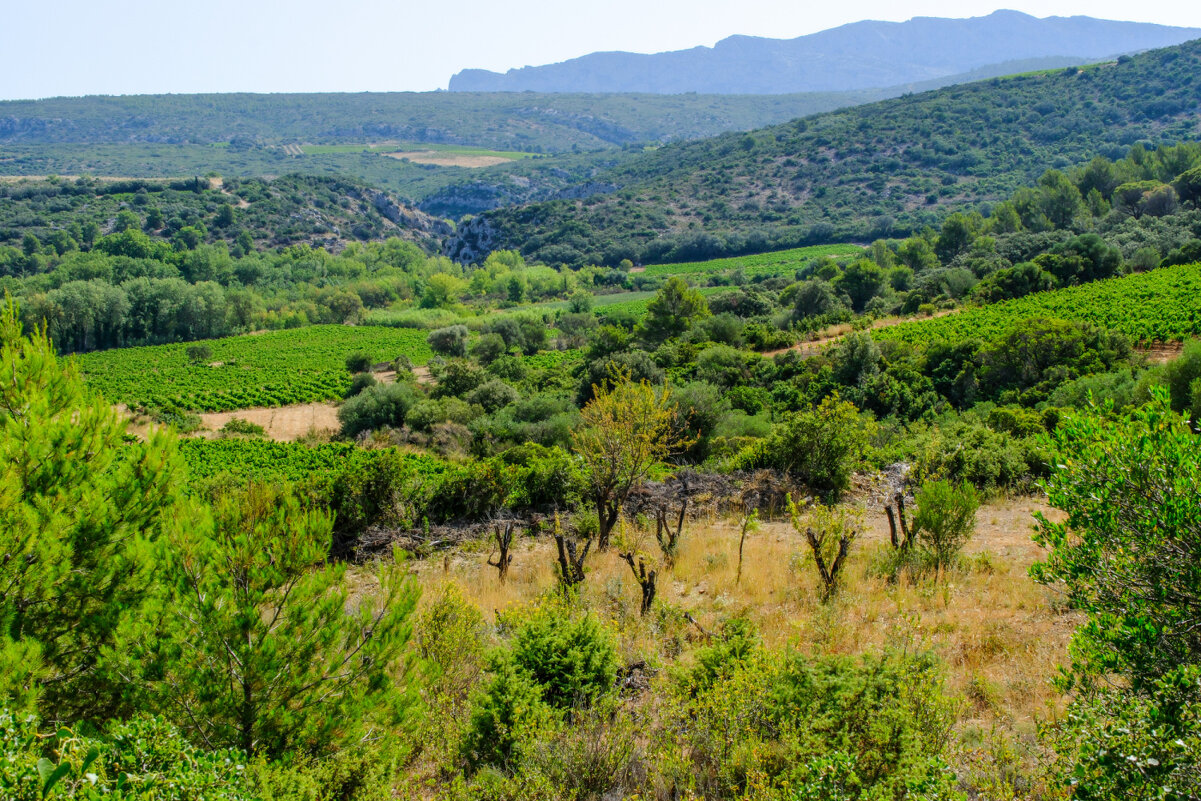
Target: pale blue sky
(73, 47)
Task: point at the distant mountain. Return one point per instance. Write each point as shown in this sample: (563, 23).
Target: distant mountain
(861, 55)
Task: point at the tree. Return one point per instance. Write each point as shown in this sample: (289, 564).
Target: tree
(1126, 554)
(748, 523)
(199, 354)
(1061, 201)
(441, 290)
(957, 234)
(225, 216)
(449, 341)
(1188, 186)
(814, 298)
(672, 310)
(830, 531)
(862, 281)
(625, 430)
(268, 652)
(79, 511)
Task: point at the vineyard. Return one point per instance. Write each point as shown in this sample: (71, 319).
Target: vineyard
(781, 262)
(635, 303)
(278, 368)
(1156, 306)
(264, 460)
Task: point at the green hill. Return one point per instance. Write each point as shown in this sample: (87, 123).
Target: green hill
(293, 209)
(883, 169)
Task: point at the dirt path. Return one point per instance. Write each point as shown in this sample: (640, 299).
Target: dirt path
(835, 333)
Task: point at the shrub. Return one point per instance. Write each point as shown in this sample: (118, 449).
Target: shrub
(199, 354)
(820, 447)
(458, 377)
(375, 407)
(961, 451)
(493, 394)
(508, 712)
(236, 426)
(182, 420)
(572, 661)
(359, 383)
(359, 362)
(945, 519)
(143, 759)
(449, 341)
(488, 348)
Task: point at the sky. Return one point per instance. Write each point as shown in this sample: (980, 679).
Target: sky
(77, 47)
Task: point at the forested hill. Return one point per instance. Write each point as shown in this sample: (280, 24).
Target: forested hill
(857, 56)
(882, 169)
(525, 122)
(64, 215)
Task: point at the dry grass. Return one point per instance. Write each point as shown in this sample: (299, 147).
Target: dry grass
(1000, 635)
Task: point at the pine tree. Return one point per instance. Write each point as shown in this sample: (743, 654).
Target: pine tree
(268, 651)
(79, 510)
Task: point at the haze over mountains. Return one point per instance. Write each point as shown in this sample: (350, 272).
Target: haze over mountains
(861, 55)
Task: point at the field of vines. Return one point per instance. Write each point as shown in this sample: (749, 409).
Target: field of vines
(277, 368)
(260, 459)
(636, 302)
(781, 262)
(1156, 306)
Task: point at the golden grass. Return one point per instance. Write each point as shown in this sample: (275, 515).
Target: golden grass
(1000, 635)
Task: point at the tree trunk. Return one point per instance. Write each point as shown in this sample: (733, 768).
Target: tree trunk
(646, 580)
(607, 511)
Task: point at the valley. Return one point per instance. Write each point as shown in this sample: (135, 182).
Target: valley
(555, 445)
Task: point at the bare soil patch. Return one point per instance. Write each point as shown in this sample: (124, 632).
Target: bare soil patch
(448, 159)
(1161, 352)
(282, 423)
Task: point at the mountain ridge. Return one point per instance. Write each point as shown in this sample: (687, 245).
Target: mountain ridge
(920, 49)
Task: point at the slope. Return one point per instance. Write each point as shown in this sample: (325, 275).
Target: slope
(877, 170)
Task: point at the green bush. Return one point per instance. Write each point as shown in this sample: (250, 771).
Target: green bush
(820, 447)
(449, 341)
(572, 660)
(505, 715)
(1117, 745)
(236, 426)
(143, 759)
(359, 383)
(792, 726)
(945, 519)
(359, 362)
(493, 394)
(963, 450)
(376, 407)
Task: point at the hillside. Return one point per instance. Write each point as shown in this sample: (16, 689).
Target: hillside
(861, 55)
(554, 123)
(289, 210)
(877, 170)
